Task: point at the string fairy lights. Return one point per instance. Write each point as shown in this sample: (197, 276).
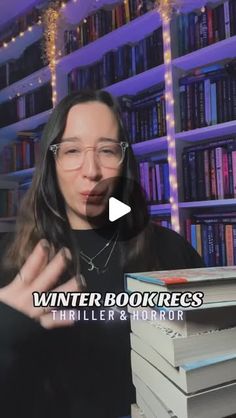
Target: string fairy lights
(21, 34)
(166, 9)
(50, 22)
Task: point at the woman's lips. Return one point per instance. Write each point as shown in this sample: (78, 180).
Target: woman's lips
(93, 197)
(87, 193)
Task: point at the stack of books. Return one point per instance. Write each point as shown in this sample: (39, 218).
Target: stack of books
(184, 359)
(136, 412)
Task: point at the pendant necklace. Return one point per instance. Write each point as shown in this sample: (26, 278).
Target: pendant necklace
(90, 260)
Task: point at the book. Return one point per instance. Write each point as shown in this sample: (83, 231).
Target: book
(119, 64)
(29, 104)
(199, 29)
(150, 404)
(190, 321)
(179, 350)
(189, 377)
(217, 402)
(136, 412)
(215, 237)
(217, 283)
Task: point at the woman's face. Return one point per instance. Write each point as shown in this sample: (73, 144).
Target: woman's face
(88, 125)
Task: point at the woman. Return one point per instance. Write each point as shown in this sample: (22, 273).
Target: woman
(64, 241)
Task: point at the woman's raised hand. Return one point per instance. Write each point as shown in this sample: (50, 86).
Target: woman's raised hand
(39, 274)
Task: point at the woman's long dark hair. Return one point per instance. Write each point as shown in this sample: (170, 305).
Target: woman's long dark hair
(43, 214)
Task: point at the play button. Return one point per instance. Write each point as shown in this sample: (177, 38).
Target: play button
(117, 209)
(116, 203)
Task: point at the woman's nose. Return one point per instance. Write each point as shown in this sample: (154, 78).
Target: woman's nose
(90, 167)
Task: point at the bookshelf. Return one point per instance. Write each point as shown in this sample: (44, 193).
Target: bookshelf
(221, 51)
(7, 223)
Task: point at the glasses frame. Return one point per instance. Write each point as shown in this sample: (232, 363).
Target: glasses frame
(124, 145)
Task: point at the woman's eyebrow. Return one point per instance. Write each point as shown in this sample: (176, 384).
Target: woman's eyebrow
(72, 139)
(104, 139)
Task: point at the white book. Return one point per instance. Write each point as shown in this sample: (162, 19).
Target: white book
(234, 170)
(149, 403)
(207, 97)
(227, 19)
(214, 403)
(190, 377)
(190, 321)
(217, 283)
(179, 350)
(219, 172)
(158, 182)
(136, 412)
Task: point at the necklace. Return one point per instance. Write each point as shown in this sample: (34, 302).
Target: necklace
(90, 260)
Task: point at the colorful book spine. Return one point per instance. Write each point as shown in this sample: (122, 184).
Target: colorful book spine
(214, 237)
(209, 170)
(198, 30)
(154, 179)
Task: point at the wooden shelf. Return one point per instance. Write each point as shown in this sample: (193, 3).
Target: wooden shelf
(14, 49)
(144, 80)
(210, 54)
(209, 132)
(18, 175)
(161, 209)
(152, 145)
(10, 131)
(129, 33)
(207, 203)
(26, 84)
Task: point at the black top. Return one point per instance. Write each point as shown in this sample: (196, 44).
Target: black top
(81, 371)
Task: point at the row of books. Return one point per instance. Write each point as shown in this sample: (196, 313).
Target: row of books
(214, 237)
(145, 114)
(162, 220)
(9, 202)
(154, 179)
(22, 152)
(18, 25)
(29, 104)
(209, 170)
(104, 21)
(183, 358)
(199, 29)
(207, 97)
(119, 64)
(30, 61)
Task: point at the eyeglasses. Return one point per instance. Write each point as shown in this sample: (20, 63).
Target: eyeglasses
(71, 155)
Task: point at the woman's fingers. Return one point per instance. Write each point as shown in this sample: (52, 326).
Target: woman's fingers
(49, 321)
(70, 286)
(36, 262)
(52, 272)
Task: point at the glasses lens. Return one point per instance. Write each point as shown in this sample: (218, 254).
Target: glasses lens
(71, 156)
(110, 156)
